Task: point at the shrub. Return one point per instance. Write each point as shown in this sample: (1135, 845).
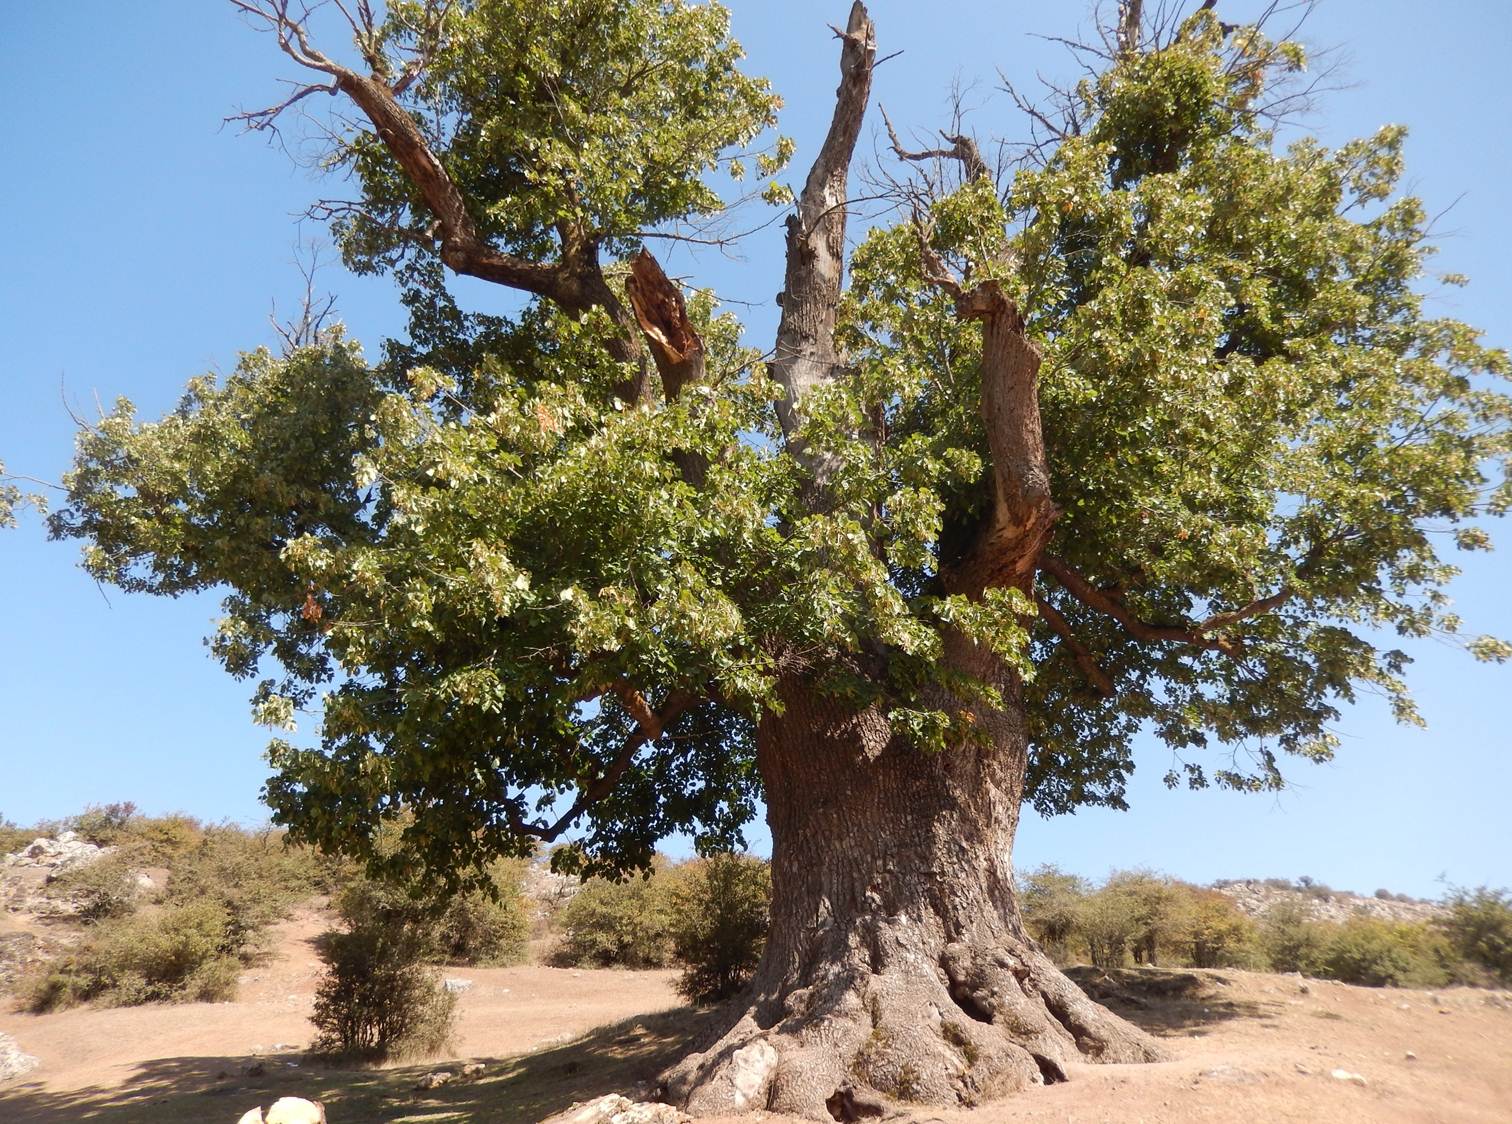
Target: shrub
(617, 924)
(1479, 928)
(14, 837)
(1051, 901)
(377, 1000)
(103, 890)
(1291, 940)
(720, 909)
(253, 876)
(475, 927)
(1376, 953)
(162, 840)
(102, 824)
(182, 954)
(1217, 932)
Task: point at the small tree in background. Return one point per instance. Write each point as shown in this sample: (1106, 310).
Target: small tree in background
(377, 999)
(625, 923)
(1291, 940)
(1217, 932)
(721, 906)
(1051, 901)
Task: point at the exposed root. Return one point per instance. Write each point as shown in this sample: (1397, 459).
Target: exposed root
(892, 1027)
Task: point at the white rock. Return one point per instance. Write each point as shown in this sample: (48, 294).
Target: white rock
(1352, 1078)
(434, 1080)
(751, 1069)
(1409, 1056)
(295, 1110)
(13, 1063)
(251, 1116)
(457, 985)
(615, 1109)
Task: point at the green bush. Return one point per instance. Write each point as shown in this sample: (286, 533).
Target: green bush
(253, 876)
(720, 909)
(473, 927)
(1291, 940)
(182, 954)
(162, 840)
(617, 924)
(103, 890)
(1216, 932)
(13, 837)
(377, 1000)
(102, 824)
(1376, 953)
(1157, 908)
(1479, 928)
(1107, 923)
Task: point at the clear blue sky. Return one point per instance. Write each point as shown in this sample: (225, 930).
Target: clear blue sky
(145, 243)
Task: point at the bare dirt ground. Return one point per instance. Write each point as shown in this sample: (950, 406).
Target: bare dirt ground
(1245, 1048)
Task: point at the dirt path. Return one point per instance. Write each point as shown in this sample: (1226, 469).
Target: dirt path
(1246, 1048)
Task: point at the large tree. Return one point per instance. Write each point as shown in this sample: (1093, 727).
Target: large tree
(1148, 431)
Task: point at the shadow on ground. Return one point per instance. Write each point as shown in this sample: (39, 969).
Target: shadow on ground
(1167, 1003)
(208, 1090)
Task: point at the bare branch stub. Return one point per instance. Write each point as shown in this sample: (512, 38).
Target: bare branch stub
(663, 317)
(806, 356)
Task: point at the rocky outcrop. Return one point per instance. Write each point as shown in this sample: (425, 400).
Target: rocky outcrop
(13, 1063)
(1256, 896)
(65, 852)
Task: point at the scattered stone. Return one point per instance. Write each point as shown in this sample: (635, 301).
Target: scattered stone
(456, 985)
(253, 1069)
(1404, 1006)
(1352, 1078)
(473, 1069)
(13, 1063)
(615, 1109)
(1410, 1056)
(1304, 989)
(1228, 1075)
(1302, 1069)
(434, 1080)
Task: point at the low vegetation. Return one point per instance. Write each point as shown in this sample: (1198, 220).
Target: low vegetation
(1144, 918)
(186, 932)
(378, 1000)
(708, 916)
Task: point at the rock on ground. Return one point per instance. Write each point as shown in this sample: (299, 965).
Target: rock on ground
(615, 1109)
(286, 1110)
(13, 1063)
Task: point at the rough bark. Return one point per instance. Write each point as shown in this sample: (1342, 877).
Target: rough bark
(897, 967)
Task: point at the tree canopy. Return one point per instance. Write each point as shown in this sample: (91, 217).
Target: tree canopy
(532, 595)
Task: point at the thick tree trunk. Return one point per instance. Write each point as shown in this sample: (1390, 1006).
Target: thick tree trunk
(897, 966)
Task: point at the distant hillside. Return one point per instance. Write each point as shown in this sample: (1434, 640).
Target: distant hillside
(1254, 896)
